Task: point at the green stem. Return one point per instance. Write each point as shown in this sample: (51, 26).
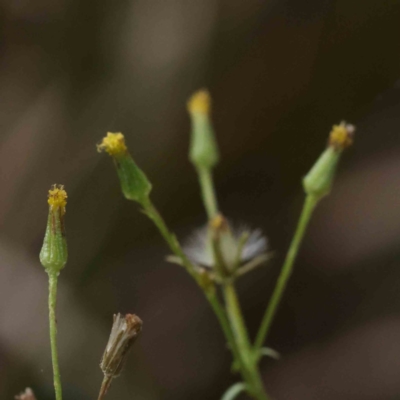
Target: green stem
(175, 247)
(207, 191)
(308, 208)
(249, 371)
(235, 331)
(53, 276)
(236, 320)
(151, 211)
(224, 323)
(238, 341)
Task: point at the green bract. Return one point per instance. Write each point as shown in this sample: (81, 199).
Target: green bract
(53, 255)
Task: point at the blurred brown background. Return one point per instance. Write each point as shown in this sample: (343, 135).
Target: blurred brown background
(281, 73)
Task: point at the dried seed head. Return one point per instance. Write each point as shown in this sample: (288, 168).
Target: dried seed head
(27, 395)
(236, 246)
(124, 332)
(53, 255)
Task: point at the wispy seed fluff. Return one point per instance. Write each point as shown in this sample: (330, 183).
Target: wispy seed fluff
(199, 250)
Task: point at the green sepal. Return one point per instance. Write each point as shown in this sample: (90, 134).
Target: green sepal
(203, 146)
(318, 182)
(54, 253)
(134, 183)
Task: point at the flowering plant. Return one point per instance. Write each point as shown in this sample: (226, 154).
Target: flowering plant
(215, 256)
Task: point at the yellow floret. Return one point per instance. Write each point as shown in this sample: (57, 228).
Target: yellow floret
(341, 136)
(200, 102)
(113, 144)
(57, 197)
(219, 223)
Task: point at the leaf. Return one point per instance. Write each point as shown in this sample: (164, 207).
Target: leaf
(234, 391)
(267, 351)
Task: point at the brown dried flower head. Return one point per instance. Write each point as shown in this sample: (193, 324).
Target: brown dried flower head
(27, 395)
(124, 332)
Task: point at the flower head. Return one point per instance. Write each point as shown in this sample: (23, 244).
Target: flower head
(57, 198)
(341, 136)
(236, 246)
(319, 180)
(203, 146)
(53, 255)
(200, 102)
(113, 144)
(134, 183)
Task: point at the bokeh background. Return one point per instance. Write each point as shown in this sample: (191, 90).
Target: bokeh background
(281, 72)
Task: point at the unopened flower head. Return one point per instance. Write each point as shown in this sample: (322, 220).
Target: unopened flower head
(318, 182)
(236, 245)
(113, 144)
(124, 332)
(134, 183)
(203, 147)
(53, 255)
(26, 395)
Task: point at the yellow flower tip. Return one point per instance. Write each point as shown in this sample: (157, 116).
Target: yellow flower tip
(57, 197)
(113, 144)
(342, 136)
(200, 102)
(219, 223)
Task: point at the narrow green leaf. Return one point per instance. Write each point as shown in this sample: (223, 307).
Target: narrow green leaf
(268, 352)
(234, 391)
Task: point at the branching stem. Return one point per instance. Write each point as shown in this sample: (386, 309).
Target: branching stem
(175, 247)
(249, 367)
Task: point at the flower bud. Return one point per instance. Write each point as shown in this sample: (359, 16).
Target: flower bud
(203, 146)
(53, 255)
(318, 182)
(134, 183)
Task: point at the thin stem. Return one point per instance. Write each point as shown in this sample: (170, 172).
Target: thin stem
(236, 328)
(175, 247)
(250, 372)
(151, 211)
(53, 332)
(224, 323)
(308, 208)
(245, 360)
(236, 320)
(208, 192)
